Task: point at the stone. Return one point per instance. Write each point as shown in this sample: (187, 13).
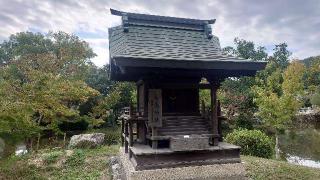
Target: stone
(86, 140)
(115, 167)
(113, 160)
(189, 143)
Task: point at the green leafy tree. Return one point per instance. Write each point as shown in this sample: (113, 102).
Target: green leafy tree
(281, 56)
(235, 93)
(277, 107)
(99, 79)
(41, 81)
(247, 50)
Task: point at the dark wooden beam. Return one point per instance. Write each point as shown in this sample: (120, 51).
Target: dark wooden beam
(214, 109)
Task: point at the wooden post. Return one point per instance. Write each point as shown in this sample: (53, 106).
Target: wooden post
(125, 137)
(130, 138)
(130, 134)
(142, 132)
(214, 115)
(64, 140)
(219, 122)
(122, 132)
(154, 142)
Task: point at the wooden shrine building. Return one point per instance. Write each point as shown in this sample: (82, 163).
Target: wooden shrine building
(167, 57)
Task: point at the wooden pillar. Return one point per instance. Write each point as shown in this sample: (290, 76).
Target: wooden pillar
(154, 142)
(122, 132)
(130, 134)
(141, 132)
(146, 98)
(138, 99)
(214, 111)
(125, 137)
(130, 138)
(219, 121)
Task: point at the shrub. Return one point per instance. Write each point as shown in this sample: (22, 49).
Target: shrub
(76, 159)
(252, 142)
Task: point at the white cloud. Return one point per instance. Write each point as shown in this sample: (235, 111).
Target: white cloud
(264, 22)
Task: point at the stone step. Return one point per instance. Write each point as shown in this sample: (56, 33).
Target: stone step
(189, 121)
(179, 117)
(183, 132)
(186, 126)
(183, 117)
(173, 129)
(185, 123)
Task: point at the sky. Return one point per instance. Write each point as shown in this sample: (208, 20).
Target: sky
(265, 22)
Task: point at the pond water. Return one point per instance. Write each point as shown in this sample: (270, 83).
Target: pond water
(301, 147)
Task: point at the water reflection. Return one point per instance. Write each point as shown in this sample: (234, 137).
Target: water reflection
(301, 147)
(301, 161)
(21, 149)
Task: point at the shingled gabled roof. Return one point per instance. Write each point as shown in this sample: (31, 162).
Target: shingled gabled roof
(168, 42)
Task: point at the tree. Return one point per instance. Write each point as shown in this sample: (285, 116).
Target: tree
(281, 55)
(41, 82)
(99, 79)
(58, 53)
(277, 109)
(235, 93)
(247, 50)
(237, 98)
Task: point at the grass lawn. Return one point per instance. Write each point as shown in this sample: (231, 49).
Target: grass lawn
(93, 164)
(60, 164)
(260, 168)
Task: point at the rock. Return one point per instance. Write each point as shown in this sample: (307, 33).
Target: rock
(113, 160)
(86, 140)
(115, 168)
(116, 171)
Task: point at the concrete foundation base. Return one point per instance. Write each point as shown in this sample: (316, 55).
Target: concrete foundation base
(216, 171)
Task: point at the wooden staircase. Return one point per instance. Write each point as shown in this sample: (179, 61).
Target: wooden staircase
(184, 125)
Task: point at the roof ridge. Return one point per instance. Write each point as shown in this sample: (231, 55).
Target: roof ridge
(135, 19)
(162, 18)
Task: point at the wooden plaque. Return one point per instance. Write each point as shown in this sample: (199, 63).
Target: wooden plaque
(155, 108)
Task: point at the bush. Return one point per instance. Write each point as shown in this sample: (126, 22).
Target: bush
(252, 142)
(76, 159)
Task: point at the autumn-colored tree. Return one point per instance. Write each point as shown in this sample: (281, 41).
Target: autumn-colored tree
(235, 93)
(277, 107)
(41, 79)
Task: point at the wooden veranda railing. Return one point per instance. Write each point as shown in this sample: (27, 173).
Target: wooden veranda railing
(131, 124)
